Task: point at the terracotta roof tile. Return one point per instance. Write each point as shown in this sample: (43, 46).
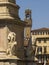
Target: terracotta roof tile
(41, 29)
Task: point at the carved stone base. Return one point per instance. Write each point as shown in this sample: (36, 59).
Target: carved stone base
(8, 62)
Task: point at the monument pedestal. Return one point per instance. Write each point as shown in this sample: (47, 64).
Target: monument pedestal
(11, 34)
(8, 60)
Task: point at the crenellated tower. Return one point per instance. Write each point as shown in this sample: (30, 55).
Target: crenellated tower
(27, 33)
(27, 29)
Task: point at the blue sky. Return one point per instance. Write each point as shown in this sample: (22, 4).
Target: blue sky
(40, 12)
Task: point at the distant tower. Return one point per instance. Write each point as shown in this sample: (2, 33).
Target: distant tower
(27, 30)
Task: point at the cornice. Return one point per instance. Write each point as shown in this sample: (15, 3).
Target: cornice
(8, 3)
(12, 21)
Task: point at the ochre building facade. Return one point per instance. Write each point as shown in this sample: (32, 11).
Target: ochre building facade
(41, 45)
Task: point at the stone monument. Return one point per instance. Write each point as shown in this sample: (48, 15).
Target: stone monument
(11, 33)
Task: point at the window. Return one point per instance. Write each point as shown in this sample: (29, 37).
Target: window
(40, 33)
(48, 33)
(43, 33)
(45, 57)
(45, 60)
(34, 33)
(39, 41)
(40, 59)
(44, 49)
(39, 50)
(44, 40)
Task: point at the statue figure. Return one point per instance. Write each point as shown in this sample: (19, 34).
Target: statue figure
(12, 42)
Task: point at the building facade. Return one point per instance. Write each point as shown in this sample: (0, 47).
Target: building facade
(41, 45)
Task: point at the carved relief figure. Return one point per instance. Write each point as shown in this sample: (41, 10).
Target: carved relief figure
(11, 43)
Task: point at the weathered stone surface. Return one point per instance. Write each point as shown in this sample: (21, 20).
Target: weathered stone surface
(8, 62)
(12, 1)
(8, 9)
(11, 33)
